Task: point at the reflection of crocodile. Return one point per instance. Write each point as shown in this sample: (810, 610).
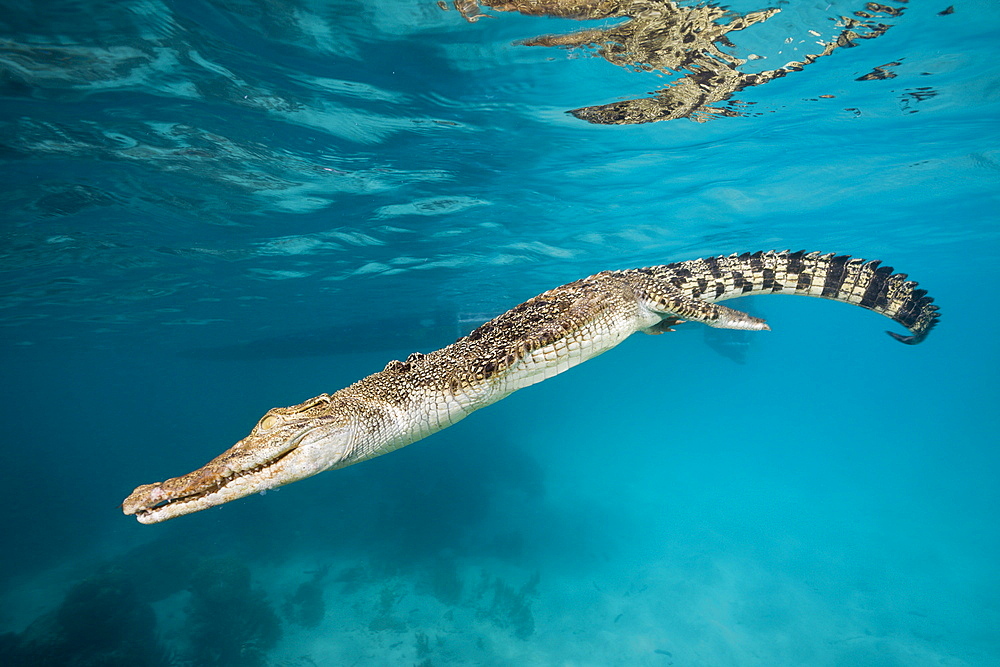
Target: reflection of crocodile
(660, 35)
(538, 339)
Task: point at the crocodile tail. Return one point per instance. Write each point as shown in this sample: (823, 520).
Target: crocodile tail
(828, 276)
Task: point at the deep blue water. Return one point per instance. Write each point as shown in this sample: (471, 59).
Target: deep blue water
(214, 208)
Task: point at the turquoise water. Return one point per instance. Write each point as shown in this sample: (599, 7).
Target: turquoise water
(214, 208)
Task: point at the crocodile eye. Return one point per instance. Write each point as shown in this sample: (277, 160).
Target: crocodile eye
(268, 422)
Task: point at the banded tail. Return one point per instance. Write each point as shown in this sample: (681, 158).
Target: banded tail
(828, 276)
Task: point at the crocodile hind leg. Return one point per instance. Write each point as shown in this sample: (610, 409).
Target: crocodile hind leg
(674, 307)
(665, 325)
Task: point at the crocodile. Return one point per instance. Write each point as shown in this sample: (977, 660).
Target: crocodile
(542, 337)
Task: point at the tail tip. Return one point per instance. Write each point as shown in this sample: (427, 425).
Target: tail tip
(907, 340)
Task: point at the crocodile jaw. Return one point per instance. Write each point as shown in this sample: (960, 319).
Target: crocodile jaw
(259, 462)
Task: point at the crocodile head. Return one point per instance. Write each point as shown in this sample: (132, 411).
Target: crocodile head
(286, 445)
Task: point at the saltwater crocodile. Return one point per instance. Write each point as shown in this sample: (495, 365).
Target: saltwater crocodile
(409, 400)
